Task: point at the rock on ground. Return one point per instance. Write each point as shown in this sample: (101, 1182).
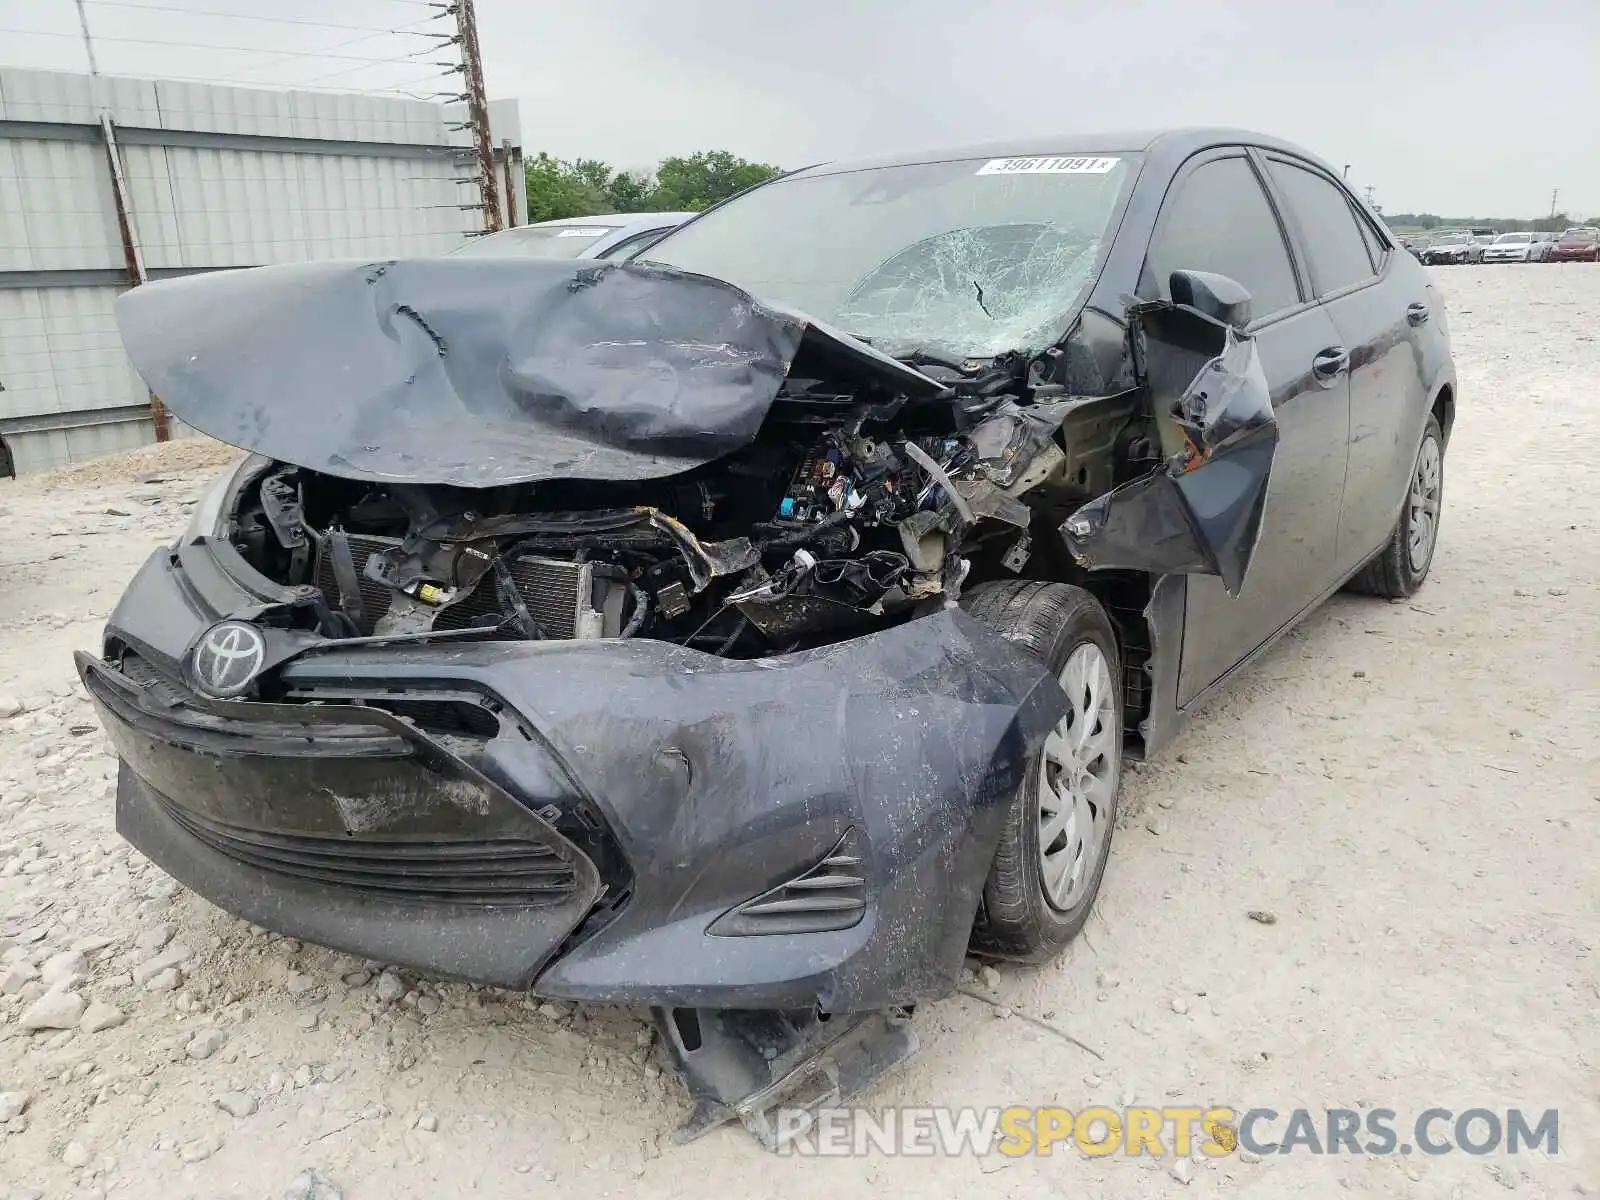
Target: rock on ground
(54, 1010)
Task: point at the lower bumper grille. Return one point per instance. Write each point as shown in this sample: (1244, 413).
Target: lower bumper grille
(495, 873)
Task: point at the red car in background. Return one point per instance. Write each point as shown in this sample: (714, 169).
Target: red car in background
(1581, 243)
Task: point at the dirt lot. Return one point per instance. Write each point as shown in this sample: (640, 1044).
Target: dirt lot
(1412, 789)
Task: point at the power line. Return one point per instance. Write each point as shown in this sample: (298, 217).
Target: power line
(171, 45)
(319, 79)
(201, 12)
(367, 37)
(233, 81)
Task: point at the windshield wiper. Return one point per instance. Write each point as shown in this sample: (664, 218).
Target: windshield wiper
(923, 356)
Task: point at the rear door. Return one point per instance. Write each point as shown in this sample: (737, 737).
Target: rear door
(1381, 308)
(1217, 217)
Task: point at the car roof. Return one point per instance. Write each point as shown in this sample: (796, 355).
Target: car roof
(616, 220)
(1178, 142)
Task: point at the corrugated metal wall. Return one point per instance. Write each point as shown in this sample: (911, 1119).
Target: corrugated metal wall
(216, 177)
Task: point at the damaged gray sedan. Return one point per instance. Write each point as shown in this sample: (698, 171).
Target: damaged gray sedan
(747, 631)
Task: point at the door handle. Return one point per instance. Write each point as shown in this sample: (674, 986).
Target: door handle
(1330, 364)
(1417, 313)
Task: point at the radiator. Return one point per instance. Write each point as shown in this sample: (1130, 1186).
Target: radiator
(559, 594)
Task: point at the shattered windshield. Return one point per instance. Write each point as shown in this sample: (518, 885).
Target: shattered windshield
(973, 257)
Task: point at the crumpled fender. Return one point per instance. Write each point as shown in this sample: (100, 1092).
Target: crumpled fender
(720, 779)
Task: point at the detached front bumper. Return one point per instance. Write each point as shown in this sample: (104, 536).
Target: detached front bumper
(588, 819)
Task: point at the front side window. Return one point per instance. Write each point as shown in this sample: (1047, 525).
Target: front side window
(973, 257)
(1218, 219)
(1339, 254)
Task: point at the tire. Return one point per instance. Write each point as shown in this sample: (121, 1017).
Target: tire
(1399, 568)
(1022, 915)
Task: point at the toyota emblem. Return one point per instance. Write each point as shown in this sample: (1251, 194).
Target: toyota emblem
(227, 659)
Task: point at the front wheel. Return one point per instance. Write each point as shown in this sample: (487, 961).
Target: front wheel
(1057, 834)
(1402, 565)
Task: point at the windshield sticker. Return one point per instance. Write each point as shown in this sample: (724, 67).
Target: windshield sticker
(590, 233)
(1048, 166)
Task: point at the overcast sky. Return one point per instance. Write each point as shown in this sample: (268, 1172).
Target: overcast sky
(1450, 106)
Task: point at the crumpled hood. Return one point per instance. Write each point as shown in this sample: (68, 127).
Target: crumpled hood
(479, 372)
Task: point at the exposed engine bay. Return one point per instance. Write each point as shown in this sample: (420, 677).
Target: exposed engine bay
(848, 512)
(550, 450)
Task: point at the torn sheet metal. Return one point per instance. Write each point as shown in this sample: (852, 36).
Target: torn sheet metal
(480, 372)
(1200, 512)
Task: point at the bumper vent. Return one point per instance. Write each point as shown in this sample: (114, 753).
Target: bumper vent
(502, 873)
(552, 589)
(831, 895)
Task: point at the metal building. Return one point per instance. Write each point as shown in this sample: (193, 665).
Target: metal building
(211, 177)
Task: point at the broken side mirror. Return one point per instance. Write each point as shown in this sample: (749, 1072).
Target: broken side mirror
(1200, 512)
(1224, 300)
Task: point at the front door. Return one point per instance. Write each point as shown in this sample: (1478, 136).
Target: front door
(1217, 217)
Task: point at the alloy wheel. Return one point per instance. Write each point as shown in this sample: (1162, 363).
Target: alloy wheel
(1424, 503)
(1078, 779)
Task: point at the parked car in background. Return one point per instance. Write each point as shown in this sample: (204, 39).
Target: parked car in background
(1581, 243)
(614, 236)
(1453, 246)
(1544, 247)
(1510, 247)
(1414, 244)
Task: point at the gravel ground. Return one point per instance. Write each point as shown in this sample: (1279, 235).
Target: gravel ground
(1409, 789)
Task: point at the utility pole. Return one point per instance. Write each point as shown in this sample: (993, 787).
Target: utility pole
(478, 114)
(1554, 192)
(1369, 195)
(88, 42)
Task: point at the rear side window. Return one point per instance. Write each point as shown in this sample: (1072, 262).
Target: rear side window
(1375, 247)
(1339, 251)
(1218, 219)
(637, 242)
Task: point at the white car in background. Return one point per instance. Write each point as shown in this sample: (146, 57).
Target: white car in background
(1512, 247)
(616, 235)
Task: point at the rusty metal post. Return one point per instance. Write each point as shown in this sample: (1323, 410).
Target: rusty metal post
(130, 248)
(511, 189)
(119, 193)
(478, 114)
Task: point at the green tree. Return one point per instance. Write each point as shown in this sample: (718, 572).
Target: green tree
(700, 180)
(631, 191)
(558, 189)
(586, 187)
